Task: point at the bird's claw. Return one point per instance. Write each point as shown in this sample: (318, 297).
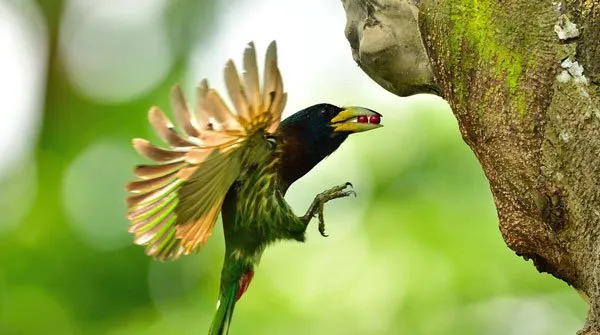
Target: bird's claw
(317, 207)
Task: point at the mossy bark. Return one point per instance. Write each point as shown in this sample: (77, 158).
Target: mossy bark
(531, 118)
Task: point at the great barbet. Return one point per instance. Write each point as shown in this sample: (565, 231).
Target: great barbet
(239, 164)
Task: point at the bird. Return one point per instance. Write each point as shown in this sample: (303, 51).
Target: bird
(240, 163)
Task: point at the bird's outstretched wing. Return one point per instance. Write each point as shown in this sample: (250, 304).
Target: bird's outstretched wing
(174, 203)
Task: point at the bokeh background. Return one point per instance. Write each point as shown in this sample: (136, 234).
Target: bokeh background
(418, 252)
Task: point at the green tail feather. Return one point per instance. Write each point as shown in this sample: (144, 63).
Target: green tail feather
(224, 314)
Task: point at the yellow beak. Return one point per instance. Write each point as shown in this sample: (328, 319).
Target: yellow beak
(354, 119)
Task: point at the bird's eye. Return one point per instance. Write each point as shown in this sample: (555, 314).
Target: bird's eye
(272, 140)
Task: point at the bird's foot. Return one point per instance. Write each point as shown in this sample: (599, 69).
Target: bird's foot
(317, 206)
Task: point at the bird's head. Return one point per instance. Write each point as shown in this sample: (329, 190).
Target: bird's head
(317, 131)
(326, 126)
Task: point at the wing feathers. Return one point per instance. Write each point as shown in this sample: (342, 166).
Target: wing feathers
(270, 76)
(155, 171)
(146, 198)
(163, 245)
(143, 212)
(203, 115)
(251, 84)
(182, 112)
(236, 92)
(154, 229)
(196, 235)
(220, 112)
(165, 129)
(147, 225)
(174, 202)
(278, 102)
(149, 185)
(157, 154)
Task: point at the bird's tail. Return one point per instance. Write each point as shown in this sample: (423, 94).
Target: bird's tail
(225, 305)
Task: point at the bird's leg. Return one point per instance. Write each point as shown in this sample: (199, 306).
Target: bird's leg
(316, 208)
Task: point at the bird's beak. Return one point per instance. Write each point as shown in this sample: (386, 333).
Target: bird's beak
(354, 119)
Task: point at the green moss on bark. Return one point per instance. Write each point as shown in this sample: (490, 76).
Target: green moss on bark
(483, 37)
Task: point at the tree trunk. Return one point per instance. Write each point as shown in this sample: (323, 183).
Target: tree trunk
(522, 78)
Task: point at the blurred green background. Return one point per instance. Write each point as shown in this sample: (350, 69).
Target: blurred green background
(418, 252)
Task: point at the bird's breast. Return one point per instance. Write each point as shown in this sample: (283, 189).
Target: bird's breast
(256, 213)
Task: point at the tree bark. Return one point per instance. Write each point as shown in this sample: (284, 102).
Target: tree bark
(523, 80)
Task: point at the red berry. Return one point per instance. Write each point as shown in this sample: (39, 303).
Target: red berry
(375, 119)
(362, 119)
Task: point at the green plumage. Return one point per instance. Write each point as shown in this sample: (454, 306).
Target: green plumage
(224, 313)
(255, 214)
